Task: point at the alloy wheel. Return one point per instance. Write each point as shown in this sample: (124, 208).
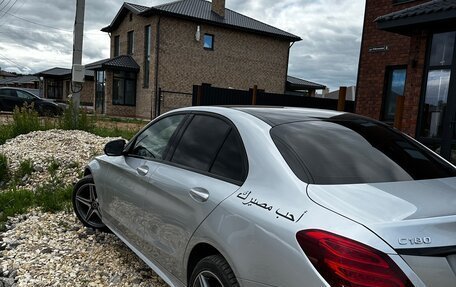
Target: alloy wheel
(207, 279)
(87, 205)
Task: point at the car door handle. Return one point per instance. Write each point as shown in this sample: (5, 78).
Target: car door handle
(142, 170)
(199, 194)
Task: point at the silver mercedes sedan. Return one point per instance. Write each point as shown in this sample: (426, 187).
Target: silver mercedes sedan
(257, 196)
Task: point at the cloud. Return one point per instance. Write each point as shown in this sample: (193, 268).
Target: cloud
(328, 53)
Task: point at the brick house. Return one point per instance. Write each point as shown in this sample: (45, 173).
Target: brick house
(20, 81)
(408, 51)
(56, 85)
(184, 43)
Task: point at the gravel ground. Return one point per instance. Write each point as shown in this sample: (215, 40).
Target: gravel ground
(44, 249)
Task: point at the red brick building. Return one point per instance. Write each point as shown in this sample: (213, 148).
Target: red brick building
(408, 50)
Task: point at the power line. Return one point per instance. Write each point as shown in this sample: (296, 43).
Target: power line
(13, 12)
(13, 62)
(43, 25)
(6, 5)
(9, 9)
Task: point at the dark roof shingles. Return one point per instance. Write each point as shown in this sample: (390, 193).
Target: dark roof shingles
(304, 83)
(422, 9)
(202, 10)
(138, 8)
(123, 62)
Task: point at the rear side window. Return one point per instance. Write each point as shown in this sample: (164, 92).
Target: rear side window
(230, 160)
(7, 93)
(201, 142)
(356, 151)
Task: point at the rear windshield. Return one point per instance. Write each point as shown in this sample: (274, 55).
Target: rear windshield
(355, 151)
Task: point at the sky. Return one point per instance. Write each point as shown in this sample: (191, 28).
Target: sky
(36, 35)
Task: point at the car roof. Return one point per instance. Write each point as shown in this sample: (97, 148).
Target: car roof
(274, 116)
(280, 115)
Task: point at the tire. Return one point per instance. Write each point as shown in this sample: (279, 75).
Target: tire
(215, 271)
(86, 206)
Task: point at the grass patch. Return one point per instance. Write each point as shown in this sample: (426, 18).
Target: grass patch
(25, 168)
(114, 132)
(25, 120)
(4, 169)
(53, 166)
(48, 197)
(12, 203)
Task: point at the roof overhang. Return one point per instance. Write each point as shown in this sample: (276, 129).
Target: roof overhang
(296, 84)
(121, 63)
(430, 15)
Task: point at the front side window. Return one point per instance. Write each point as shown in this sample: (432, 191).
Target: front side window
(395, 88)
(201, 142)
(350, 151)
(131, 42)
(208, 41)
(124, 89)
(152, 142)
(24, 95)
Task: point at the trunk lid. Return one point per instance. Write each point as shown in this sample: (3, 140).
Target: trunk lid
(416, 218)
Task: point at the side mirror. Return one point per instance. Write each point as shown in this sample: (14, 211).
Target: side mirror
(115, 148)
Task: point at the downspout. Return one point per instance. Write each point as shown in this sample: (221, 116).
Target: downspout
(286, 69)
(157, 58)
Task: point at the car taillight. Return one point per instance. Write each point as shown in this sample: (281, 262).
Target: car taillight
(346, 263)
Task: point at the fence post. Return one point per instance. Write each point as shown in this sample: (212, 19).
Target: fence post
(199, 95)
(399, 112)
(342, 97)
(254, 95)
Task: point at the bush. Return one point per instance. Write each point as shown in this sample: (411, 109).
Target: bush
(25, 120)
(76, 120)
(5, 133)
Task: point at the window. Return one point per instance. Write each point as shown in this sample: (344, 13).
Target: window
(116, 46)
(230, 159)
(131, 42)
(54, 89)
(7, 93)
(124, 89)
(152, 142)
(200, 142)
(147, 32)
(438, 84)
(395, 87)
(24, 95)
(208, 41)
(352, 151)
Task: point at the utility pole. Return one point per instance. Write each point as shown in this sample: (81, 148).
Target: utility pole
(77, 68)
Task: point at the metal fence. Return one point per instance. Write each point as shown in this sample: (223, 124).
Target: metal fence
(206, 95)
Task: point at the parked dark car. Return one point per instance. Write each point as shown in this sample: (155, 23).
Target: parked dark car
(17, 97)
